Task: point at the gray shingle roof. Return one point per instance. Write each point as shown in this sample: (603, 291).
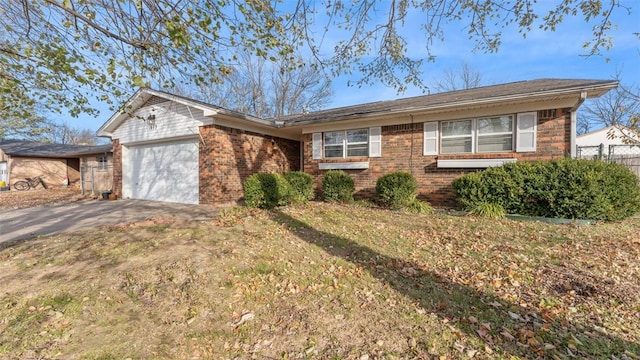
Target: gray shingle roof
(37, 149)
(519, 88)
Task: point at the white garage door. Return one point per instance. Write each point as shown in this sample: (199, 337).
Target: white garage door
(165, 171)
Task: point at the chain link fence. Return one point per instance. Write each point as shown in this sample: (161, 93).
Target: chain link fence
(627, 155)
(96, 179)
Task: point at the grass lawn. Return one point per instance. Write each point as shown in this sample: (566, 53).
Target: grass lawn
(325, 281)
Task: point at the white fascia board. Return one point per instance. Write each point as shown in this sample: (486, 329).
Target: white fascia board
(209, 112)
(473, 163)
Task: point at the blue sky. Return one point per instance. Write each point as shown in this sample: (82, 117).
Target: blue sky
(540, 55)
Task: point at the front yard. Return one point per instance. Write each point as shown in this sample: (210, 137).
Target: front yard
(325, 281)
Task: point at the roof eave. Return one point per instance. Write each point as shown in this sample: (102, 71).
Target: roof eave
(592, 91)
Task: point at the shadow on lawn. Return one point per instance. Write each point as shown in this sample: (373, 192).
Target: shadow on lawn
(452, 301)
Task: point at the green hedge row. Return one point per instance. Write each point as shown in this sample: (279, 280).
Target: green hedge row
(567, 188)
(395, 190)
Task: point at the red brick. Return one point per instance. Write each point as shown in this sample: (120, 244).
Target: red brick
(402, 150)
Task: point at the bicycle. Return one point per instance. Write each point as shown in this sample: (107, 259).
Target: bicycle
(28, 183)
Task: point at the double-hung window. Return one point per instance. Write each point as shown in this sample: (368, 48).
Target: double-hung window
(457, 137)
(350, 143)
(495, 134)
(481, 135)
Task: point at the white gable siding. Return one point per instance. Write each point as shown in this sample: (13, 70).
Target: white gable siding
(172, 120)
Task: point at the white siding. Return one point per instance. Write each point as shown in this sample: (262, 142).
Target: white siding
(172, 120)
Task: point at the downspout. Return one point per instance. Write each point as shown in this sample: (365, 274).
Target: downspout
(574, 121)
(411, 149)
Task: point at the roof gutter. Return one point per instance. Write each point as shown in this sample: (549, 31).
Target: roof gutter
(416, 110)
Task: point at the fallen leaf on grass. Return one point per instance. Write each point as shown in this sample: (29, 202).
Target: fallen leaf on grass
(244, 318)
(507, 335)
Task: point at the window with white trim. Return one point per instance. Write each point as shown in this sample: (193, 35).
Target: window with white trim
(495, 134)
(456, 137)
(481, 135)
(349, 143)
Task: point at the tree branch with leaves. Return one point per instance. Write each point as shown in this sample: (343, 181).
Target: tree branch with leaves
(65, 55)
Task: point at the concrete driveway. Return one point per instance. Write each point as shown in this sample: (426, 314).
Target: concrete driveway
(26, 223)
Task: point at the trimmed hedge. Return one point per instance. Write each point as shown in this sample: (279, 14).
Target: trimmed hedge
(396, 189)
(302, 184)
(267, 190)
(567, 188)
(337, 185)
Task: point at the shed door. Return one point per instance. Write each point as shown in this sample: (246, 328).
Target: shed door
(3, 172)
(165, 171)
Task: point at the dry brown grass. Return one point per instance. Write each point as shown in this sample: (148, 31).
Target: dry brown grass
(324, 281)
(10, 200)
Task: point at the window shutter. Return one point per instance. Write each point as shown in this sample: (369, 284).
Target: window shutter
(375, 142)
(430, 138)
(526, 132)
(317, 146)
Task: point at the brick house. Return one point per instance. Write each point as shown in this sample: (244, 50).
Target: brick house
(171, 148)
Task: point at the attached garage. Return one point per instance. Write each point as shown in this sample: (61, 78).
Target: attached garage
(163, 171)
(173, 149)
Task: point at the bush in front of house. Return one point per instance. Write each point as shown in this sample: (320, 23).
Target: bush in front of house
(302, 184)
(264, 190)
(567, 188)
(337, 185)
(397, 189)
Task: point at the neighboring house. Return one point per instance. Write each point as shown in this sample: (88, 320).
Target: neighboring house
(52, 162)
(613, 143)
(612, 135)
(171, 148)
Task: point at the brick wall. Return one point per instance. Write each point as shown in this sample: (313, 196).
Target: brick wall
(402, 150)
(228, 156)
(117, 168)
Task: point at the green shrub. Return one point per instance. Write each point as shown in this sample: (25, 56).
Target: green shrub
(302, 184)
(396, 189)
(267, 190)
(487, 209)
(337, 185)
(567, 188)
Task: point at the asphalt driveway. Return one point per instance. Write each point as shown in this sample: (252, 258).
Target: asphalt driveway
(26, 223)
